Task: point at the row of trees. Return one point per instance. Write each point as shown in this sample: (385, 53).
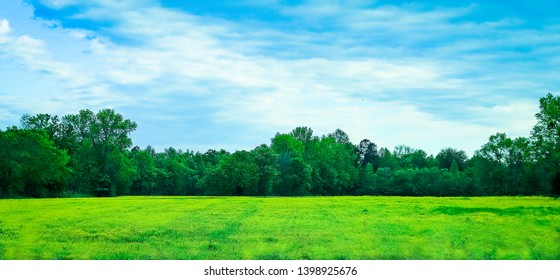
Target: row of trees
(90, 154)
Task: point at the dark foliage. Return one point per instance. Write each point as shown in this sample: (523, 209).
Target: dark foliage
(90, 154)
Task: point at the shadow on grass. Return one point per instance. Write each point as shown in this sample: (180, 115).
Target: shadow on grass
(520, 210)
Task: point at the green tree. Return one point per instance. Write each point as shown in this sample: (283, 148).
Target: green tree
(387, 160)
(294, 176)
(60, 132)
(417, 160)
(335, 159)
(402, 155)
(340, 137)
(30, 164)
(402, 183)
(367, 181)
(211, 158)
(177, 173)
(546, 144)
(100, 161)
(267, 162)
(383, 181)
(455, 183)
(429, 181)
(447, 156)
(303, 134)
(497, 149)
(367, 154)
(145, 177)
(508, 161)
(237, 174)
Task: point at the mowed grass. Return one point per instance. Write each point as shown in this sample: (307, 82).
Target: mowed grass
(317, 228)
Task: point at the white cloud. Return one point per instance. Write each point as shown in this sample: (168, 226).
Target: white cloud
(57, 4)
(32, 52)
(4, 27)
(353, 82)
(71, 86)
(393, 20)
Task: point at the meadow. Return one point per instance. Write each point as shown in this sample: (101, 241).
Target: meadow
(318, 228)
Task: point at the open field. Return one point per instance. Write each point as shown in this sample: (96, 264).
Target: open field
(280, 228)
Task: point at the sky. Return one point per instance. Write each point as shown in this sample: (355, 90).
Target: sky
(202, 74)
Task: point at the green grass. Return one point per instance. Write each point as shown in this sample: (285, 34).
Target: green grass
(280, 228)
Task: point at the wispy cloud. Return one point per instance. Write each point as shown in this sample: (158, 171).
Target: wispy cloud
(424, 76)
(76, 86)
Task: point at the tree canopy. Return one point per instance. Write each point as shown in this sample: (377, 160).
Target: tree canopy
(91, 154)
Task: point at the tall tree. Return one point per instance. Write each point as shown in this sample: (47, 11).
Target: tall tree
(387, 159)
(177, 173)
(418, 159)
(30, 164)
(367, 154)
(303, 134)
(267, 162)
(59, 131)
(145, 178)
(546, 138)
(340, 156)
(340, 136)
(102, 140)
(497, 149)
(402, 154)
(294, 176)
(447, 156)
(508, 162)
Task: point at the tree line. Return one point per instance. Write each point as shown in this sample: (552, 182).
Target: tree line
(91, 154)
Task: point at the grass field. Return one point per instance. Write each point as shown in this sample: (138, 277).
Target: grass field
(280, 228)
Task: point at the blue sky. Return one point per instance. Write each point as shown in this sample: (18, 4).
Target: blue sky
(230, 74)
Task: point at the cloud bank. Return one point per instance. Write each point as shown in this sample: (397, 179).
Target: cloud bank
(230, 76)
